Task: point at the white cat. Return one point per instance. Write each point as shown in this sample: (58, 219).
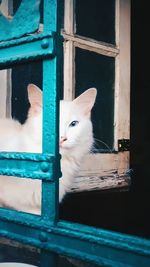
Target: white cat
(76, 139)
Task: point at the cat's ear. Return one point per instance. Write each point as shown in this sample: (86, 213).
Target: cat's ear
(86, 100)
(35, 99)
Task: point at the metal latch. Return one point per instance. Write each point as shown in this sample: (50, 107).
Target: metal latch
(123, 145)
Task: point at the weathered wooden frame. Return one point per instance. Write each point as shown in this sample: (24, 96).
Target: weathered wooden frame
(5, 99)
(103, 170)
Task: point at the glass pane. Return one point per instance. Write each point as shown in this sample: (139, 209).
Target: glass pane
(16, 99)
(99, 19)
(94, 70)
(22, 75)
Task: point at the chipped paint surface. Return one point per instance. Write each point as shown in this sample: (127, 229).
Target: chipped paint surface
(25, 21)
(35, 166)
(29, 48)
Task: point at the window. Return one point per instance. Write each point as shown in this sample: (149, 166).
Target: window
(97, 54)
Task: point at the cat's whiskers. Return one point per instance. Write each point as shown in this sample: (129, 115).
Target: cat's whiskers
(102, 142)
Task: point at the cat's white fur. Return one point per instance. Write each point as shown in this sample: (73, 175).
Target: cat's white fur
(75, 142)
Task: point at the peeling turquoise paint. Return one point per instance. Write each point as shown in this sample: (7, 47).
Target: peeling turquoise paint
(28, 48)
(25, 21)
(35, 166)
(46, 232)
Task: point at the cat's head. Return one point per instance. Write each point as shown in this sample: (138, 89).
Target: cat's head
(75, 123)
(76, 133)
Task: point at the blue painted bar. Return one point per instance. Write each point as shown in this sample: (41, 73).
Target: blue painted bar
(51, 15)
(35, 166)
(26, 219)
(28, 49)
(90, 247)
(27, 39)
(51, 118)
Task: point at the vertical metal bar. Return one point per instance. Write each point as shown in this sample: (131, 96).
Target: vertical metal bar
(51, 116)
(50, 15)
(50, 134)
(50, 137)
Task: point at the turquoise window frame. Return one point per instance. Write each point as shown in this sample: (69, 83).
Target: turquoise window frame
(47, 232)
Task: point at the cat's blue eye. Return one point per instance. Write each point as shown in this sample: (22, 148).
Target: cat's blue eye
(73, 123)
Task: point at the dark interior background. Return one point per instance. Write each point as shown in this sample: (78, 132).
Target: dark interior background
(126, 212)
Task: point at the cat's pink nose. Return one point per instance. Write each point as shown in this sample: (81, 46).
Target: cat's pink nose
(62, 139)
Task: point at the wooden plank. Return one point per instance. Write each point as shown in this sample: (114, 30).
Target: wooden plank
(124, 81)
(69, 71)
(5, 76)
(122, 73)
(99, 183)
(3, 80)
(4, 8)
(69, 52)
(69, 16)
(5, 99)
(103, 164)
(92, 45)
(103, 171)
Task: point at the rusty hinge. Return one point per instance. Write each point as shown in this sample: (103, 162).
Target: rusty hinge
(123, 145)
